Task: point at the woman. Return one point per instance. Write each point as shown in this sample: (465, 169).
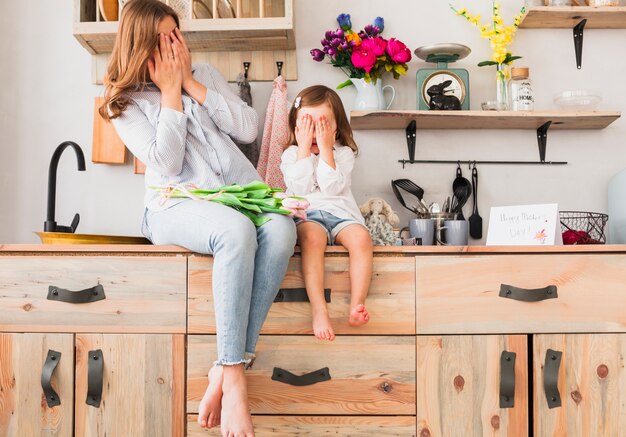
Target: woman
(181, 120)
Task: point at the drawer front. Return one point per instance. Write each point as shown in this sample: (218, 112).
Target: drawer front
(318, 426)
(368, 375)
(142, 294)
(460, 294)
(391, 299)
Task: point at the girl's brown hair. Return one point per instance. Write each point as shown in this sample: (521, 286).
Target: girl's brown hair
(134, 44)
(318, 95)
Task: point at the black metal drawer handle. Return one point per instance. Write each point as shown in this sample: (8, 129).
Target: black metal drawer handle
(507, 379)
(528, 295)
(87, 295)
(287, 377)
(95, 367)
(52, 361)
(298, 295)
(551, 378)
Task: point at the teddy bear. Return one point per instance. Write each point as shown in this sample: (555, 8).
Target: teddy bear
(379, 219)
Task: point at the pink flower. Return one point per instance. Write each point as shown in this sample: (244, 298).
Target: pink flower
(398, 51)
(291, 203)
(377, 45)
(364, 58)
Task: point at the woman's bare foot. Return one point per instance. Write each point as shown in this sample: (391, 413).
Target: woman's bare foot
(358, 315)
(236, 419)
(210, 407)
(322, 328)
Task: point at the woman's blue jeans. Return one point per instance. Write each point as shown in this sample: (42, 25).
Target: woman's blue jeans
(249, 265)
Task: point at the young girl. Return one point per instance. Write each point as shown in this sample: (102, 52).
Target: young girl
(317, 166)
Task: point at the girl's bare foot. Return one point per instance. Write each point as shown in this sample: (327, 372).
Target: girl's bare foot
(210, 407)
(236, 419)
(322, 328)
(358, 315)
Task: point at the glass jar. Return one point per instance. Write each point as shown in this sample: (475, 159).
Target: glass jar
(522, 98)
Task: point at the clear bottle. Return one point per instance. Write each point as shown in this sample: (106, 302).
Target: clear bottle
(522, 98)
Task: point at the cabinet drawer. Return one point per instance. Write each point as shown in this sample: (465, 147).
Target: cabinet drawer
(460, 294)
(391, 299)
(318, 426)
(368, 375)
(142, 294)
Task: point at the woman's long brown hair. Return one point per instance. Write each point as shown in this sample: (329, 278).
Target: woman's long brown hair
(135, 42)
(318, 95)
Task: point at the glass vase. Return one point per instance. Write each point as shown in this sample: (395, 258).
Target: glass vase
(502, 89)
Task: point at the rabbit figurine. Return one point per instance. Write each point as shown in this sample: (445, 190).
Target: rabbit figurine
(438, 99)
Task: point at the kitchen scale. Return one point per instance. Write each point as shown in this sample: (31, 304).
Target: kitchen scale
(442, 55)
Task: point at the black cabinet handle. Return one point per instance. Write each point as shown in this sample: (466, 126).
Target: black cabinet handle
(287, 377)
(87, 295)
(528, 295)
(95, 367)
(298, 295)
(507, 379)
(551, 378)
(52, 361)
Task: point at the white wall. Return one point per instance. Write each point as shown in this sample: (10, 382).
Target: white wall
(46, 98)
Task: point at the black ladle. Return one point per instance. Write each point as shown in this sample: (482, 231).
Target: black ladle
(462, 190)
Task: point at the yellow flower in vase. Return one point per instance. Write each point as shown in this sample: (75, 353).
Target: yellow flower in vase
(500, 37)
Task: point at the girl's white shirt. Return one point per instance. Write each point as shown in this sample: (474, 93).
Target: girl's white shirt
(325, 188)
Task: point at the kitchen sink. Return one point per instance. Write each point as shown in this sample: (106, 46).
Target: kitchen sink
(70, 238)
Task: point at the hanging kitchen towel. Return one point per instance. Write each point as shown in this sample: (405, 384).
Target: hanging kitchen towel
(275, 135)
(251, 150)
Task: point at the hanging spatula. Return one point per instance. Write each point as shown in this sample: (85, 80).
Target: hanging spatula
(475, 220)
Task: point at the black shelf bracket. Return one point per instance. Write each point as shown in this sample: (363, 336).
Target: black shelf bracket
(578, 42)
(471, 161)
(542, 139)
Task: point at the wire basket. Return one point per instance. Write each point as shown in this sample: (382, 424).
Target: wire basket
(588, 227)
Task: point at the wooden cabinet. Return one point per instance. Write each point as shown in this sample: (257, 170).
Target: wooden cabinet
(431, 362)
(126, 379)
(225, 33)
(391, 299)
(141, 393)
(578, 295)
(590, 381)
(143, 385)
(472, 385)
(24, 411)
(494, 293)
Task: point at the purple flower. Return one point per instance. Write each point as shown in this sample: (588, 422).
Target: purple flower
(329, 35)
(318, 55)
(332, 52)
(344, 45)
(336, 42)
(344, 21)
(339, 33)
(379, 22)
(370, 30)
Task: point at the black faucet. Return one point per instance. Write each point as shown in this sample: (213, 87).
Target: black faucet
(51, 225)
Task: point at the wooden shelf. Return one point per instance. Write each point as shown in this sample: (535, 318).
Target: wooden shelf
(224, 34)
(392, 119)
(566, 17)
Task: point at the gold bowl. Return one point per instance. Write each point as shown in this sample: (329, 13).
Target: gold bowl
(67, 238)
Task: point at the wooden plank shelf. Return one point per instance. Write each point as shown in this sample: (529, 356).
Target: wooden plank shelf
(392, 119)
(566, 17)
(225, 34)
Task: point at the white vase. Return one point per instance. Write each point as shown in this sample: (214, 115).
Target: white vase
(370, 97)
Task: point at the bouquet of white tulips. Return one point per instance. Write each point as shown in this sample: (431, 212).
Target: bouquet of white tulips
(252, 200)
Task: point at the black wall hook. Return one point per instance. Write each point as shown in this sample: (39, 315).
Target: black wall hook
(279, 65)
(246, 67)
